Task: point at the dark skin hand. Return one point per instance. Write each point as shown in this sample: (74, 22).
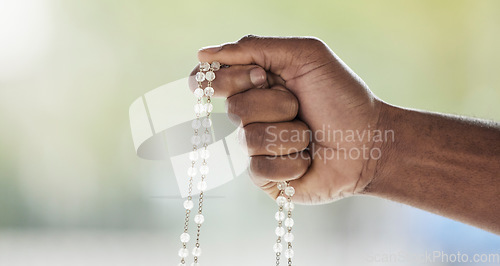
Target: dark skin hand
(298, 103)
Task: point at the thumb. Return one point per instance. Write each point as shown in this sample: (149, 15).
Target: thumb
(283, 56)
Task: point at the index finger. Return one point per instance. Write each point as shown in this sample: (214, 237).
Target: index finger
(280, 55)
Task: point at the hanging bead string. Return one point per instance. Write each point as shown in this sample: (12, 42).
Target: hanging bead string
(206, 139)
(285, 222)
(193, 156)
(206, 72)
(289, 237)
(280, 216)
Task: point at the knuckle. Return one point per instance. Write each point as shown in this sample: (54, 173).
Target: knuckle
(259, 166)
(248, 37)
(314, 42)
(254, 168)
(254, 136)
(260, 181)
(236, 105)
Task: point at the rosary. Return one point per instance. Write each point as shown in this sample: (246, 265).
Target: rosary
(200, 140)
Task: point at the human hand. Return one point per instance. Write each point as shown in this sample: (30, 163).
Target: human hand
(298, 104)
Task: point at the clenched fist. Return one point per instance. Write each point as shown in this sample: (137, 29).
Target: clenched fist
(305, 116)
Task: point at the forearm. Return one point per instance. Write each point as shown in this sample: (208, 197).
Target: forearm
(446, 165)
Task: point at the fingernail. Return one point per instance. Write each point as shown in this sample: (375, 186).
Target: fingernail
(211, 49)
(257, 76)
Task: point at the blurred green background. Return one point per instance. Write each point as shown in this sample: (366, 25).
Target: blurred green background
(73, 192)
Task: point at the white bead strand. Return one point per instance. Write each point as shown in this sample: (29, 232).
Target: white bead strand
(205, 140)
(279, 216)
(285, 223)
(289, 222)
(199, 108)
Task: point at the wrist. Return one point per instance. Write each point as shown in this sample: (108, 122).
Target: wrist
(380, 144)
(377, 169)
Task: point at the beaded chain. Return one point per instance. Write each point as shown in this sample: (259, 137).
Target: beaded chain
(285, 222)
(206, 72)
(284, 200)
